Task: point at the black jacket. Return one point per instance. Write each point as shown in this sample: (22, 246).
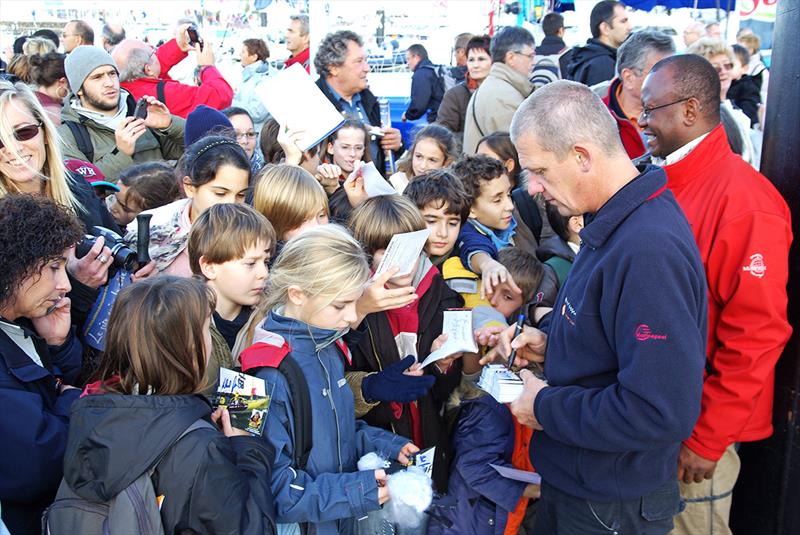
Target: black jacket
(427, 90)
(373, 109)
(210, 483)
(746, 95)
(593, 63)
(378, 350)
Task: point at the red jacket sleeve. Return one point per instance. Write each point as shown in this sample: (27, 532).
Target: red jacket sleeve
(747, 272)
(214, 92)
(169, 54)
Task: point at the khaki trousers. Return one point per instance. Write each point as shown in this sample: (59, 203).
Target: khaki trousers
(708, 504)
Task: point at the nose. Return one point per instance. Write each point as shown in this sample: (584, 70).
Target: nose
(62, 281)
(440, 229)
(534, 186)
(350, 315)
(263, 271)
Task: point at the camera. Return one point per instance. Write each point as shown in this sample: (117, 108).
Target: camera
(194, 36)
(123, 256)
(141, 109)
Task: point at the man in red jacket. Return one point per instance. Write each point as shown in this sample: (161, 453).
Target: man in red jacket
(635, 58)
(743, 230)
(145, 71)
(297, 39)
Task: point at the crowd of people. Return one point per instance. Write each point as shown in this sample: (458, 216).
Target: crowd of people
(597, 208)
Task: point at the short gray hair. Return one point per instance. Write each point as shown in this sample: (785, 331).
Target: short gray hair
(303, 20)
(133, 68)
(509, 39)
(332, 51)
(549, 115)
(632, 54)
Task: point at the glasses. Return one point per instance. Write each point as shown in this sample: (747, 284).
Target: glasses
(529, 56)
(245, 135)
(723, 67)
(25, 133)
(647, 111)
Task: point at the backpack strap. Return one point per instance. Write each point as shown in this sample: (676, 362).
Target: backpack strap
(81, 135)
(197, 424)
(528, 211)
(475, 117)
(162, 98)
(271, 352)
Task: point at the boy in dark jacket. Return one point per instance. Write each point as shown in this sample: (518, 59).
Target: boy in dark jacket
(394, 334)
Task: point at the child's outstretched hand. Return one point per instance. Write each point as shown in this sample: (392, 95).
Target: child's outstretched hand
(328, 175)
(288, 139)
(493, 274)
(354, 186)
(407, 451)
(378, 298)
(222, 418)
(444, 364)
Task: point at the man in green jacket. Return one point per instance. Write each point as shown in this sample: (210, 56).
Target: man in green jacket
(98, 123)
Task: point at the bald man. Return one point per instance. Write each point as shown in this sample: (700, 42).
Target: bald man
(144, 71)
(742, 228)
(694, 31)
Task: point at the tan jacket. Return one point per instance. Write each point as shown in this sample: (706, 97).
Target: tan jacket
(493, 104)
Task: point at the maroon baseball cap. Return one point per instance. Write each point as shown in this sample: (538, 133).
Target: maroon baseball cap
(91, 173)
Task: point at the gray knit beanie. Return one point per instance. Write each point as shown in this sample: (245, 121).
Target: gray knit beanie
(82, 61)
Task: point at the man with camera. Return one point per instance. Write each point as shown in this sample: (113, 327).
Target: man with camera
(144, 71)
(99, 125)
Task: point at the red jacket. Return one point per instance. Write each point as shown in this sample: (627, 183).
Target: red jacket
(628, 133)
(743, 230)
(180, 98)
(302, 58)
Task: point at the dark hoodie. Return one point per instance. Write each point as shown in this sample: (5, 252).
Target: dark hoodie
(210, 483)
(593, 63)
(555, 252)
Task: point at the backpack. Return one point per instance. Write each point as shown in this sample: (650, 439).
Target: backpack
(547, 69)
(445, 77)
(134, 511)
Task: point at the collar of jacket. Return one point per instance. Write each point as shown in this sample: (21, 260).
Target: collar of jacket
(500, 238)
(704, 156)
(599, 46)
(300, 336)
(503, 72)
(651, 182)
(551, 42)
(70, 113)
(18, 362)
(368, 100)
(257, 67)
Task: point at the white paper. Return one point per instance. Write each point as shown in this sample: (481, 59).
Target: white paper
(403, 252)
(501, 383)
(374, 183)
(294, 100)
(424, 460)
(457, 324)
(518, 475)
(231, 382)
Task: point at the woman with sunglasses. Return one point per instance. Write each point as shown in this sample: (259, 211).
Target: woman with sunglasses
(31, 162)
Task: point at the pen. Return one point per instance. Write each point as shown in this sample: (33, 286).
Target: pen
(517, 330)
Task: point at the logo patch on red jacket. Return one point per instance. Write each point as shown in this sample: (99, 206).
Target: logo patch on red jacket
(757, 267)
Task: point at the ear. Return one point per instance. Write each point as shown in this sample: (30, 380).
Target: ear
(604, 28)
(508, 57)
(208, 269)
(296, 296)
(627, 75)
(509, 164)
(691, 112)
(188, 188)
(329, 149)
(472, 211)
(575, 223)
(583, 157)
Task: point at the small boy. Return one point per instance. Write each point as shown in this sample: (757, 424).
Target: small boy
(444, 206)
(491, 225)
(558, 251)
(229, 247)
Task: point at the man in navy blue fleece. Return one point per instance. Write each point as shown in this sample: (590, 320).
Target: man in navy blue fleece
(625, 344)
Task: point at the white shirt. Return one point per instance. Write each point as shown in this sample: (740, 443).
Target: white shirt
(25, 342)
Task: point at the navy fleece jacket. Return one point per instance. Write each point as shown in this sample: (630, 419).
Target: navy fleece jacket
(625, 351)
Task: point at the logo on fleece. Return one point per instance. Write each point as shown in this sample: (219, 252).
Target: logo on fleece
(568, 311)
(644, 333)
(757, 267)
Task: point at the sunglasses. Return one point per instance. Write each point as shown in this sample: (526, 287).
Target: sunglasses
(25, 133)
(724, 67)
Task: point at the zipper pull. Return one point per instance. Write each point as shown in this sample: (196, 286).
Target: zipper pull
(324, 392)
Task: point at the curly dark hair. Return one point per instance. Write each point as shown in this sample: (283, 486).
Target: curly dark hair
(474, 170)
(33, 231)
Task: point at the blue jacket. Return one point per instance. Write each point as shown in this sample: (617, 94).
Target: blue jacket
(484, 434)
(246, 96)
(625, 350)
(330, 493)
(475, 237)
(34, 425)
(427, 91)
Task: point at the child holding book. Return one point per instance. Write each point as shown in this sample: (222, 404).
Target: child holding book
(229, 248)
(312, 293)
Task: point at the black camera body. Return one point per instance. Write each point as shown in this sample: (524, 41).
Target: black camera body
(123, 257)
(194, 36)
(141, 109)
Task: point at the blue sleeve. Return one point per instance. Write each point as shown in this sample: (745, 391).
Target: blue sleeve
(34, 441)
(480, 439)
(386, 443)
(300, 497)
(656, 399)
(67, 358)
(470, 242)
(421, 91)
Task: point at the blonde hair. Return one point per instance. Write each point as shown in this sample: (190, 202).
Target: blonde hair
(53, 174)
(325, 261)
(288, 195)
(376, 220)
(38, 46)
(708, 48)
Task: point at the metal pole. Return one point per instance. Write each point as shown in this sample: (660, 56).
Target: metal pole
(767, 494)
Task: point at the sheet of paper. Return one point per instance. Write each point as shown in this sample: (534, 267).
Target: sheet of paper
(518, 475)
(232, 382)
(403, 252)
(458, 326)
(374, 183)
(294, 100)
